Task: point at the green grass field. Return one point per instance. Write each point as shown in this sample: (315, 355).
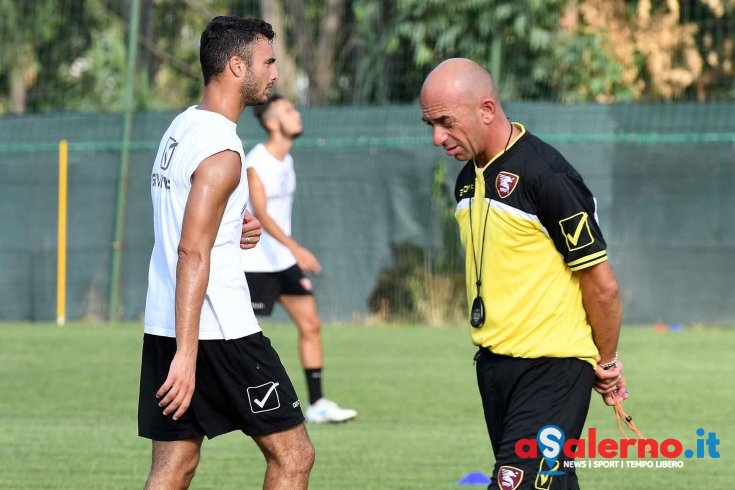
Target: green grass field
(68, 400)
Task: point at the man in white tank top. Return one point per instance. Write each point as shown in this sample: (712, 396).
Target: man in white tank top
(275, 268)
(207, 369)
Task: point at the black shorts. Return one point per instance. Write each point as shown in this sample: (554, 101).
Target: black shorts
(240, 385)
(520, 397)
(266, 287)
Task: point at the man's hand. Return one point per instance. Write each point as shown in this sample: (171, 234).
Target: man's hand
(250, 231)
(610, 384)
(306, 260)
(176, 392)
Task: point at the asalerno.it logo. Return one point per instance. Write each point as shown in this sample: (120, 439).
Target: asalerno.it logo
(551, 443)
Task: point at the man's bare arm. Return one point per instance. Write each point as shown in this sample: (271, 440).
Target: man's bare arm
(211, 186)
(258, 200)
(604, 311)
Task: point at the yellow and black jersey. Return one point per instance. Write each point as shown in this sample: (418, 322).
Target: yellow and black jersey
(527, 221)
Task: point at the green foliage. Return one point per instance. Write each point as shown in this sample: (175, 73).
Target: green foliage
(24, 22)
(81, 50)
(524, 31)
(365, 53)
(95, 79)
(580, 69)
(50, 59)
(24, 27)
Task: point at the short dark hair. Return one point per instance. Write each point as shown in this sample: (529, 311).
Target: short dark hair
(228, 36)
(260, 109)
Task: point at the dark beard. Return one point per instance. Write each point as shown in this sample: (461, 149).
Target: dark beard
(249, 95)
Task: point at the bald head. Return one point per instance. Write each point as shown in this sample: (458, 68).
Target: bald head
(460, 77)
(460, 103)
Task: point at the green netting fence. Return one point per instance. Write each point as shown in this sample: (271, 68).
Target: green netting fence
(374, 204)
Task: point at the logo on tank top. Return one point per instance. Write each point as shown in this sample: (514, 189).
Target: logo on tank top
(168, 153)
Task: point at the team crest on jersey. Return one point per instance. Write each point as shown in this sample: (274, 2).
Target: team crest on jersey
(505, 183)
(509, 477)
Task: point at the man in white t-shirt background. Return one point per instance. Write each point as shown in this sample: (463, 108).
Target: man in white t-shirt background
(275, 268)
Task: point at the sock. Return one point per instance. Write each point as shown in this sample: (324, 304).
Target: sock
(314, 384)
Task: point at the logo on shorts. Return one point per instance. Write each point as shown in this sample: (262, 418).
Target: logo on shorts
(509, 477)
(264, 397)
(305, 283)
(505, 182)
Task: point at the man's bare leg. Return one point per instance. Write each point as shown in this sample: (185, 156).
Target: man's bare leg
(173, 464)
(303, 312)
(289, 455)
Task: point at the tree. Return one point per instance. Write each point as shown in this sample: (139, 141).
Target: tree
(672, 61)
(594, 54)
(316, 50)
(272, 12)
(24, 26)
(505, 36)
(365, 58)
(72, 55)
(644, 50)
(715, 20)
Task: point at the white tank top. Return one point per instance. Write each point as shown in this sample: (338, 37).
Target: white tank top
(279, 182)
(193, 136)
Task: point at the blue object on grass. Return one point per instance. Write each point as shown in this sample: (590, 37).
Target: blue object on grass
(475, 478)
(676, 327)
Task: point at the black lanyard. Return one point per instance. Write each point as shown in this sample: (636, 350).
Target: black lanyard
(477, 313)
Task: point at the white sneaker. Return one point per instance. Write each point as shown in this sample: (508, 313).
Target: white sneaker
(324, 410)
